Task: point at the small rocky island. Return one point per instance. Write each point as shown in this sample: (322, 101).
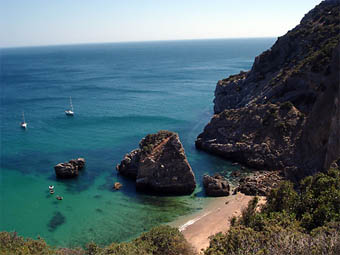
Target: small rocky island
(284, 114)
(69, 169)
(159, 165)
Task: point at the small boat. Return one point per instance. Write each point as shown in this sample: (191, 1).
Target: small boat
(23, 124)
(51, 191)
(70, 112)
(51, 187)
(59, 198)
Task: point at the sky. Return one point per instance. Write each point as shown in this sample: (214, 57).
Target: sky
(54, 22)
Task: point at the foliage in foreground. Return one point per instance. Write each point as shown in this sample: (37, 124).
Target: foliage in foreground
(304, 222)
(162, 240)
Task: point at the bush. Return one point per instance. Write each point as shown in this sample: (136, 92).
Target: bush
(275, 241)
(152, 140)
(162, 240)
(11, 243)
(320, 199)
(284, 198)
(307, 222)
(249, 213)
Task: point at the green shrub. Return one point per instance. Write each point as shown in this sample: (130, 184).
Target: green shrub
(248, 214)
(152, 140)
(284, 198)
(302, 223)
(320, 199)
(162, 240)
(275, 241)
(11, 243)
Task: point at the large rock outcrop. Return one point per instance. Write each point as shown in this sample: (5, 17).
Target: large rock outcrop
(260, 136)
(260, 183)
(216, 185)
(159, 165)
(70, 169)
(302, 70)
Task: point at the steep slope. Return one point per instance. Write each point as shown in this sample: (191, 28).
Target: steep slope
(301, 70)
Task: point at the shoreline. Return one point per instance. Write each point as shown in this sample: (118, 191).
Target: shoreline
(212, 219)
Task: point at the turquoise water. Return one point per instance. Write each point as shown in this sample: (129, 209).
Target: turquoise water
(120, 93)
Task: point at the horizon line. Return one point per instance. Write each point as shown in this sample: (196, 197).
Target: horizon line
(137, 41)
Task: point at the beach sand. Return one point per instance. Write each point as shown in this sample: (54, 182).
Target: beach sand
(214, 218)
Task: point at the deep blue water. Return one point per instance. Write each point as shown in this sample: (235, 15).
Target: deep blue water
(120, 93)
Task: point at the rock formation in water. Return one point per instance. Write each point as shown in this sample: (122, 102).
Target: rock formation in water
(284, 112)
(216, 186)
(70, 169)
(117, 186)
(159, 165)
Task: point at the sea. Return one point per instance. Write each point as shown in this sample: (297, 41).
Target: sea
(120, 93)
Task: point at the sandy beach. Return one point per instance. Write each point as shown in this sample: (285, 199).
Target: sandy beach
(214, 218)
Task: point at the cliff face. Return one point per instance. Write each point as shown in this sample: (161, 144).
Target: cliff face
(320, 142)
(302, 69)
(260, 136)
(295, 69)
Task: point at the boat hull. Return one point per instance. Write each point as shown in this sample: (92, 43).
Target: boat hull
(69, 113)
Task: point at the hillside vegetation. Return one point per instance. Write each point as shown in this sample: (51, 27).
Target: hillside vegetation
(306, 221)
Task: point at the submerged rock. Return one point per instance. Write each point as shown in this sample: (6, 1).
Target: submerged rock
(159, 165)
(216, 186)
(70, 169)
(57, 220)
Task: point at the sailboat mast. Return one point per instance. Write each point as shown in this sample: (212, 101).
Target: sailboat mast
(23, 117)
(71, 104)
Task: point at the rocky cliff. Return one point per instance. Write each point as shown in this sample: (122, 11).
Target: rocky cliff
(159, 165)
(284, 112)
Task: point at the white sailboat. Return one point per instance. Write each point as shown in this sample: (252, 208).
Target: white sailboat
(70, 112)
(23, 124)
